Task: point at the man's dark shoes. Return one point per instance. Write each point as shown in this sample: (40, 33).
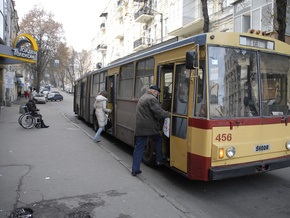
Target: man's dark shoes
(158, 163)
(136, 173)
(45, 126)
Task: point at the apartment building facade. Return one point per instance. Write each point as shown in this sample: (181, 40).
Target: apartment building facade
(15, 50)
(127, 26)
(9, 30)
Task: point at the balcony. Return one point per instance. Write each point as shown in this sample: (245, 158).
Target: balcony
(141, 43)
(143, 15)
(192, 24)
(191, 28)
(101, 47)
(121, 4)
(103, 27)
(119, 34)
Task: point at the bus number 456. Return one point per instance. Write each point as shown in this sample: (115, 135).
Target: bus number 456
(223, 137)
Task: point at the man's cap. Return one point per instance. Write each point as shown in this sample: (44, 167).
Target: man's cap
(155, 88)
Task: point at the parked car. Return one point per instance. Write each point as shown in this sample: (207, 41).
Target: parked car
(51, 94)
(44, 91)
(54, 96)
(47, 87)
(39, 98)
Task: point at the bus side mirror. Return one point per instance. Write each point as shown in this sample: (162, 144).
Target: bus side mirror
(191, 61)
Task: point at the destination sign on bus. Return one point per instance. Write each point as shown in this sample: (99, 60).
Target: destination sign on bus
(258, 43)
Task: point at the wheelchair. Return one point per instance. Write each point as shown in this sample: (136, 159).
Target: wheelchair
(27, 121)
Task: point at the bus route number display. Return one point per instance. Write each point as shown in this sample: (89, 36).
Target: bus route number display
(223, 137)
(257, 43)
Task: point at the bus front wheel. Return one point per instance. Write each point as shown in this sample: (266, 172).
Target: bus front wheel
(149, 153)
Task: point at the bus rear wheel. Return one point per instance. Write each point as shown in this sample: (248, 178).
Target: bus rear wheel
(149, 153)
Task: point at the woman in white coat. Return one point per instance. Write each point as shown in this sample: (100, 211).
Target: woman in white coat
(100, 106)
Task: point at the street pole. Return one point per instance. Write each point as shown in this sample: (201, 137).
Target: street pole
(161, 21)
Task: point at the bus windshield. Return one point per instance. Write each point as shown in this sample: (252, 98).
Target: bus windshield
(246, 83)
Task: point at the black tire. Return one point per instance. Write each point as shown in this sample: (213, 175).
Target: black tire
(149, 153)
(19, 119)
(27, 121)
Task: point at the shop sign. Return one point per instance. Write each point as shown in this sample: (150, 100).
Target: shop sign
(24, 53)
(9, 79)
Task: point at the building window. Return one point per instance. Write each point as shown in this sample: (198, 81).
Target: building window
(166, 26)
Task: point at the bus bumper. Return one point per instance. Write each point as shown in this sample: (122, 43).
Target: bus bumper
(218, 173)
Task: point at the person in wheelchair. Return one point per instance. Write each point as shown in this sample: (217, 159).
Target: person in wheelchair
(34, 112)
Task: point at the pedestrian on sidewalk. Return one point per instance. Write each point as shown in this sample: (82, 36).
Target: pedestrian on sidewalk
(101, 109)
(26, 94)
(19, 95)
(148, 116)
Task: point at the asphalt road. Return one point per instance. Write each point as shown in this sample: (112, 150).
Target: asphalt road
(64, 174)
(262, 195)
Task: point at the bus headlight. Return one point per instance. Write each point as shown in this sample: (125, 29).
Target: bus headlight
(288, 145)
(231, 151)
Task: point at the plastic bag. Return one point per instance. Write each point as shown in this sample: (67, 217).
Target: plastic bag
(106, 118)
(166, 126)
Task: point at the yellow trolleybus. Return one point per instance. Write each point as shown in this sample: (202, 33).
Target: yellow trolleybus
(228, 94)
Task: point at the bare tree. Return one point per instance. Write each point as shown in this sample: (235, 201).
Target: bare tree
(205, 16)
(70, 66)
(63, 58)
(48, 34)
(84, 60)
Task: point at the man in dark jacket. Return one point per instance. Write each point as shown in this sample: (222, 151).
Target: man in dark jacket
(148, 115)
(34, 112)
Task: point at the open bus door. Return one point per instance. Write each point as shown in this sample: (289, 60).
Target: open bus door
(111, 89)
(179, 118)
(174, 80)
(82, 99)
(165, 82)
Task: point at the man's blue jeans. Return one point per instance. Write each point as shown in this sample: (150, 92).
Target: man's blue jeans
(140, 142)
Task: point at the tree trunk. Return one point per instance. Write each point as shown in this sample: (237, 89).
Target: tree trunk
(281, 18)
(205, 16)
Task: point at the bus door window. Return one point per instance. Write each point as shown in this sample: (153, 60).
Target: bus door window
(165, 83)
(144, 76)
(274, 71)
(180, 101)
(110, 87)
(200, 93)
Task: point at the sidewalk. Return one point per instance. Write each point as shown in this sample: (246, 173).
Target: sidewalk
(61, 172)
